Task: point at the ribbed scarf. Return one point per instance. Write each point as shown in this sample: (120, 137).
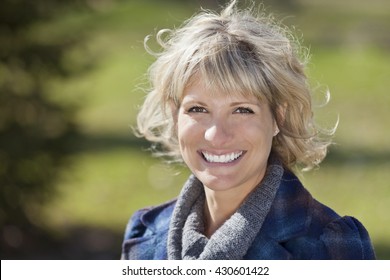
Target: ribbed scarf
(186, 239)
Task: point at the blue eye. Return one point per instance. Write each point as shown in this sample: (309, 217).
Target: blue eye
(244, 110)
(197, 109)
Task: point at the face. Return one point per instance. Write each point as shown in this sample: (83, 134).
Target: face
(224, 140)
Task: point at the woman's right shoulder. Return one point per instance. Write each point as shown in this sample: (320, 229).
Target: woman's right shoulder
(150, 220)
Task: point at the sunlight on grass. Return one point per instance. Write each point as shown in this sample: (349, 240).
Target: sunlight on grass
(105, 188)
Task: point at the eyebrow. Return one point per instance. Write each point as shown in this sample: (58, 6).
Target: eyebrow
(192, 100)
(233, 104)
(244, 102)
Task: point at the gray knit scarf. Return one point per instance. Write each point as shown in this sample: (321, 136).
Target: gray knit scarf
(186, 239)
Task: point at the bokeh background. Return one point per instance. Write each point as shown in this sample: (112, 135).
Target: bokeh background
(71, 78)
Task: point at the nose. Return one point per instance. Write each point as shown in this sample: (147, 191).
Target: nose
(218, 133)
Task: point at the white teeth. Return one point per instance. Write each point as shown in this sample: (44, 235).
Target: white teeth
(222, 158)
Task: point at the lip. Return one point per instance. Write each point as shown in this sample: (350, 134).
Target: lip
(221, 153)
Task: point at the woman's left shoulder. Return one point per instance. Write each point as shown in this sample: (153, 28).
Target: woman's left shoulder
(346, 238)
(318, 232)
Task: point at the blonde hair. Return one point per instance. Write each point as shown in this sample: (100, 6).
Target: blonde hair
(239, 53)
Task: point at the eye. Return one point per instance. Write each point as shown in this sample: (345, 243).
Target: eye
(244, 110)
(197, 109)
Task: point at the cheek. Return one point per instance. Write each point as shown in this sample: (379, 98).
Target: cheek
(189, 137)
(259, 133)
(187, 130)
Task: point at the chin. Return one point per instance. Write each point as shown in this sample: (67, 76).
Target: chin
(216, 183)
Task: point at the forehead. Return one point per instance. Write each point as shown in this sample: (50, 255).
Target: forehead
(199, 90)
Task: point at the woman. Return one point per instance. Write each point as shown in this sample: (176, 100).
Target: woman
(230, 98)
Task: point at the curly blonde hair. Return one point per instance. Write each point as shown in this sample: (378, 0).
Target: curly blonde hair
(238, 52)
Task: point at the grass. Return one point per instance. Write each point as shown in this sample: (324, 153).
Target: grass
(104, 188)
(358, 83)
(106, 185)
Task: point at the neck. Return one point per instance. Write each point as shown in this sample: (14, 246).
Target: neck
(219, 206)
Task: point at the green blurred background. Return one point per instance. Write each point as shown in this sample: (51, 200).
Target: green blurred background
(71, 79)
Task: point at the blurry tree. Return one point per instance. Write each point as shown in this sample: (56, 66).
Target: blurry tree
(36, 133)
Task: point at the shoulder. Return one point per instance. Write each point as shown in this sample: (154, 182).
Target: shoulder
(150, 220)
(308, 229)
(342, 237)
(146, 233)
(347, 238)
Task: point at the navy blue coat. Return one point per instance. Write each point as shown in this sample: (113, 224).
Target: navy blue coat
(297, 227)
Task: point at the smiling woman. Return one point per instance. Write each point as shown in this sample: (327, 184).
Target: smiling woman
(230, 99)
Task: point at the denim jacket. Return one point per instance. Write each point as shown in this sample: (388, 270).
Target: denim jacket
(297, 227)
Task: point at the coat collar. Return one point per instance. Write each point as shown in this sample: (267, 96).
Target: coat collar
(157, 219)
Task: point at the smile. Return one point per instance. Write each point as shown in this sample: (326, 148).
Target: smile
(226, 158)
